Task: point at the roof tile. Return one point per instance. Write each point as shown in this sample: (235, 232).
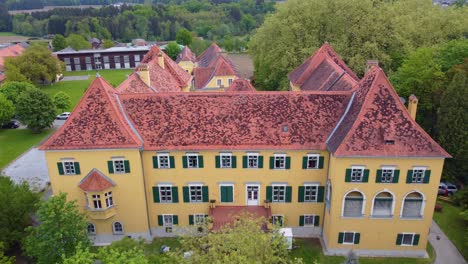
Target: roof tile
(95, 181)
(241, 85)
(186, 55)
(134, 84)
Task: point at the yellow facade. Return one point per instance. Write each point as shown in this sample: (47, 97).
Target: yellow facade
(187, 66)
(221, 81)
(294, 87)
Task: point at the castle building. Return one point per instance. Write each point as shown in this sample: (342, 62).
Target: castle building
(342, 160)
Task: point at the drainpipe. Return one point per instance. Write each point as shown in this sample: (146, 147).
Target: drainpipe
(325, 193)
(146, 193)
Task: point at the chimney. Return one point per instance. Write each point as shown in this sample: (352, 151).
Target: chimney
(371, 64)
(161, 59)
(143, 71)
(412, 106)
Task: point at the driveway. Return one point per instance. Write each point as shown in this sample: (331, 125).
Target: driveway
(446, 252)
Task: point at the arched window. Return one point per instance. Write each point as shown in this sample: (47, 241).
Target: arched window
(118, 228)
(91, 229)
(413, 205)
(353, 204)
(383, 205)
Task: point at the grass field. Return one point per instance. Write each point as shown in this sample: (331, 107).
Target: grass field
(8, 34)
(450, 221)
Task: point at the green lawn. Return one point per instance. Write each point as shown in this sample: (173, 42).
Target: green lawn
(8, 34)
(450, 221)
(16, 141)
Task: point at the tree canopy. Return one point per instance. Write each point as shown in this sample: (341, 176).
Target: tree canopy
(59, 42)
(77, 42)
(35, 109)
(172, 50)
(62, 101)
(7, 110)
(12, 90)
(184, 37)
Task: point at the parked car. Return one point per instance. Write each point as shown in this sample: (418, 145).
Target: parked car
(452, 188)
(11, 124)
(447, 189)
(63, 116)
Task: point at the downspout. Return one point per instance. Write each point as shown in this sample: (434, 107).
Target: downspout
(145, 191)
(326, 192)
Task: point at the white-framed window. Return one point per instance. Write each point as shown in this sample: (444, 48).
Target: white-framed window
(198, 219)
(96, 201)
(69, 167)
(279, 161)
(76, 61)
(349, 237)
(310, 192)
(278, 193)
(77, 67)
(192, 160)
(313, 161)
(168, 220)
(91, 229)
(413, 205)
(229, 81)
(383, 205)
(357, 173)
(407, 239)
(218, 82)
(252, 160)
(387, 174)
(137, 58)
(353, 204)
(164, 161)
(418, 174)
(165, 193)
(117, 227)
(109, 199)
(277, 220)
(196, 193)
(328, 195)
(119, 165)
(226, 160)
(309, 220)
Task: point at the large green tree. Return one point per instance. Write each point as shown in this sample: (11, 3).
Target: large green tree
(12, 90)
(172, 50)
(78, 42)
(62, 101)
(59, 42)
(7, 110)
(36, 110)
(62, 228)
(184, 37)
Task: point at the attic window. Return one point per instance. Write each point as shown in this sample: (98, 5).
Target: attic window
(285, 129)
(389, 142)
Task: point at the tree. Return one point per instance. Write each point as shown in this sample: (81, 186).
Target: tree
(81, 256)
(172, 50)
(248, 22)
(59, 42)
(62, 228)
(110, 255)
(453, 128)
(184, 37)
(35, 65)
(5, 18)
(17, 206)
(5, 259)
(453, 53)
(35, 109)
(12, 90)
(199, 45)
(7, 110)
(107, 43)
(62, 101)
(77, 42)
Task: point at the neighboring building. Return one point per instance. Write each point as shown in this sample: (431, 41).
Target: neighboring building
(350, 166)
(241, 85)
(9, 52)
(186, 59)
(111, 58)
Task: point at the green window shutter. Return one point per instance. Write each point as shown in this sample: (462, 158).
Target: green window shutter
(316, 220)
(60, 168)
(301, 220)
(416, 240)
(300, 196)
(288, 194)
(230, 194)
(244, 162)
(320, 194)
(175, 194)
(175, 219)
(110, 166)
(272, 163)
(226, 194)
(223, 194)
(234, 162)
(269, 193)
(184, 162)
(260, 162)
(427, 176)
(218, 161)
(348, 175)
(288, 163)
(155, 162)
(205, 194)
(127, 166)
(409, 176)
(200, 161)
(190, 219)
(160, 220)
(172, 162)
(396, 176)
(77, 168)
(399, 238)
(366, 176)
(186, 194)
(156, 194)
(357, 238)
(378, 176)
(321, 161)
(304, 162)
(340, 237)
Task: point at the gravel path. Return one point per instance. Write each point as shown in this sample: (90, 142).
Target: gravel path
(446, 252)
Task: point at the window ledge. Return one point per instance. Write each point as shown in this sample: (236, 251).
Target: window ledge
(353, 217)
(101, 214)
(381, 217)
(411, 218)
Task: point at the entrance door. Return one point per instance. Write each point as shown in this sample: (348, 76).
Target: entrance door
(253, 194)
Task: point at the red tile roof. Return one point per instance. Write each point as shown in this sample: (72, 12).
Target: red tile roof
(241, 85)
(378, 124)
(221, 67)
(96, 123)
(10, 51)
(242, 120)
(186, 55)
(226, 215)
(208, 56)
(95, 181)
(324, 71)
(134, 84)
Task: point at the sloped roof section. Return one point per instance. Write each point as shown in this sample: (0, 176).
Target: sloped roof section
(9, 52)
(186, 54)
(134, 84)
(378, 124)
(242, 120)
(95, 181)
(96, 123)
(324, 71)
(221, 67)
(241, 85)
(208, 56)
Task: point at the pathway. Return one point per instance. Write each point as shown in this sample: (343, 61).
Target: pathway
(446, 252)
(76, 78)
